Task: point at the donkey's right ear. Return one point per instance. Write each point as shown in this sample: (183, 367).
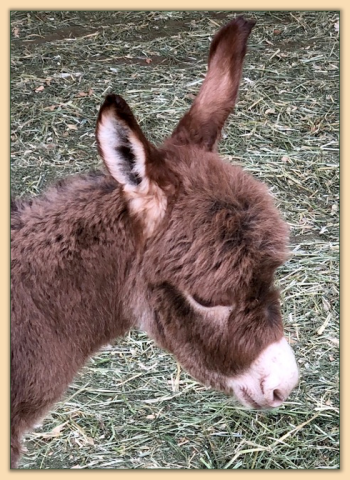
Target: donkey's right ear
(121, 143)
(203, 123)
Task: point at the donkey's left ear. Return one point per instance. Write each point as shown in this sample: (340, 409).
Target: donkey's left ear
(121, 142)
(127, 154)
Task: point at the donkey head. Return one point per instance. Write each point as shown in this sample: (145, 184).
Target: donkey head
(210, 239)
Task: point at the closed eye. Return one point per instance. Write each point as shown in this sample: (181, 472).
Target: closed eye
(208, 307)
(204, 303)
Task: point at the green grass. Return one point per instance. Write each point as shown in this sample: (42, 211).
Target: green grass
(132, 406)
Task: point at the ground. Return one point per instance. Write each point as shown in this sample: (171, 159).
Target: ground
(132, 406)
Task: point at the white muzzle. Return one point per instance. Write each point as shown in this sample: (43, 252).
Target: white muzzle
(269, 380)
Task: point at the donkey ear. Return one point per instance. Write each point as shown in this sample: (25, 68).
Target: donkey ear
(121, 142)
(127, 155)
(202, 124)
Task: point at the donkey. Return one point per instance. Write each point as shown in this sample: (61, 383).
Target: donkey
(172, 240)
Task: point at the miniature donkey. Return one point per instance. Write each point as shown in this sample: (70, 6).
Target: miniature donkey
(172, 240)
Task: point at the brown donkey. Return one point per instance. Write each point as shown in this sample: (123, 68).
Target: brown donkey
(172, 240)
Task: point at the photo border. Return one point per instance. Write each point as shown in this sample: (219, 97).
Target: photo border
(253, 5)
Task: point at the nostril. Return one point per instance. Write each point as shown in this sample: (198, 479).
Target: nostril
(277, 396)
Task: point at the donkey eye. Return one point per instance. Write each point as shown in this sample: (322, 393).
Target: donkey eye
(217, 305)
(204, 303)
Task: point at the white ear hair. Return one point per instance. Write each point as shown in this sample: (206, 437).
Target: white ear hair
(122, 152)
(125, 156)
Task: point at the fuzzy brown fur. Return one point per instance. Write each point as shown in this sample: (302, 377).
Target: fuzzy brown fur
(84, 272)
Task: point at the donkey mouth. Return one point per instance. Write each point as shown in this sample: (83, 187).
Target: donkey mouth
(250, 402)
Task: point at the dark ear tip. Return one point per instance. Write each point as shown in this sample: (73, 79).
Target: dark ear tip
(244, 22)
(113, 99)
(109, 99)
(116, 105)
